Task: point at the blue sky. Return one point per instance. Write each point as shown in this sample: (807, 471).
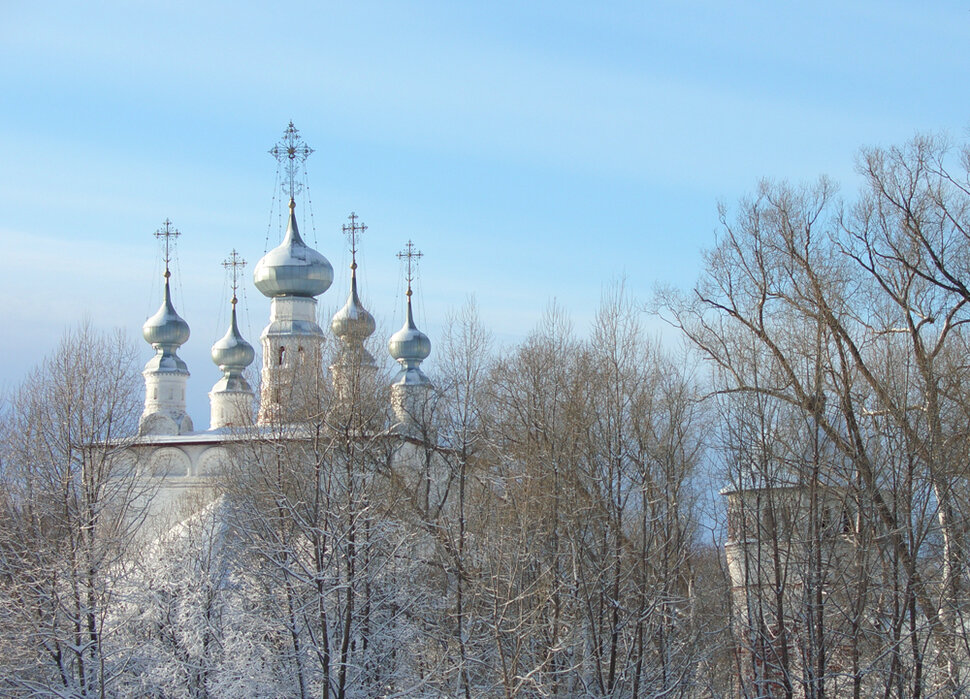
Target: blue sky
(533, 151)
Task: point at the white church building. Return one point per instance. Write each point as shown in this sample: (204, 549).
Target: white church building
(292, 275)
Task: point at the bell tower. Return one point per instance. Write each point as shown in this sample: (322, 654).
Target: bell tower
(291, 275)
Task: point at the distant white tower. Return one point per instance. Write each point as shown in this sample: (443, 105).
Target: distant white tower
(231, 399)
(291, 275)
(409, 346)
(165, 374)
(353, 365)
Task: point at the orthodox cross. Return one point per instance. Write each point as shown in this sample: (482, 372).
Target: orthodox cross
(168, 233)
(412, 256)
(234, 264)
(353, 233)
(291, 153)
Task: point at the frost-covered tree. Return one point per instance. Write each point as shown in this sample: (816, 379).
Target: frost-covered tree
(68, 518)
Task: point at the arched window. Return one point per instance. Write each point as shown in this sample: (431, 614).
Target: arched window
(282, 356)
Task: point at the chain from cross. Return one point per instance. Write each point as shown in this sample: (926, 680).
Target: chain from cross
(168, 232)
(291, 153)
(353, 231)
(412, 256)
(233, 264)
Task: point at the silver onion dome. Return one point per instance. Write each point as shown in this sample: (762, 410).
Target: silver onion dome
(166, 332)
(166, 328)
(293, 268)
(232, 353)
(353, 323)
(409, 346)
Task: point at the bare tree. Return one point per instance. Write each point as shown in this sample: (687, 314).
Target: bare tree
(815, 312)
(454, 441)
(68, 517)
(588, 517)
(322, 515)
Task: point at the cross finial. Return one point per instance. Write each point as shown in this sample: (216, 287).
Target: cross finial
(353, 232)
(291, 152)
(168, 232)
(234, 264)
(412, 256)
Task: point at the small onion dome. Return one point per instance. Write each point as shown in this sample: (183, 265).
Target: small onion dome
(353, 322)
(166, 329)
(293, 268)
(232, 352)
(409, 345)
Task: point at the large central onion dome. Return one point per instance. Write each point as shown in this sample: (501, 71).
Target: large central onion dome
(293, 268)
